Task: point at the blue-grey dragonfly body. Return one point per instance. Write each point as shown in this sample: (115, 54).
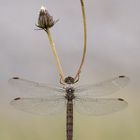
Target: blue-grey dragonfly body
(44, 99)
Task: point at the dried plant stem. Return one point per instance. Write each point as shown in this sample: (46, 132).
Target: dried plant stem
(55, 55)
(85, 39)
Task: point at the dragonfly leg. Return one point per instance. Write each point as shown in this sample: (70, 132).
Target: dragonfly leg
(77, 79)
(61, 81)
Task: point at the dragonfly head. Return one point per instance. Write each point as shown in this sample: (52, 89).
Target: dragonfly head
(69, 80)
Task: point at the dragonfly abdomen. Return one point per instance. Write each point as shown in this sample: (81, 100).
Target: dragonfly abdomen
(69, 123)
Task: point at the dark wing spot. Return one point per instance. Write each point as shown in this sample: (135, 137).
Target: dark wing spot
(15, 77)
(120, 99)
(121, 76)
(18, 98)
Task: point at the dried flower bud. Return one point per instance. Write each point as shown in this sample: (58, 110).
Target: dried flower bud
(45, 21)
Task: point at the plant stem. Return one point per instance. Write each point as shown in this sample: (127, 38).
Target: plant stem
(55, 55)
(85, 39)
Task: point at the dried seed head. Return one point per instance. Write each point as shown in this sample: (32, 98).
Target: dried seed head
(45, 21)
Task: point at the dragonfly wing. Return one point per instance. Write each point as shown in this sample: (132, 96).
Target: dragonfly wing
(34, 88)
(99, 106)
(103, 88)
(41, 106)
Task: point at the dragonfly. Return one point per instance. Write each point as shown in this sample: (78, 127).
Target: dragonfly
(45, 99)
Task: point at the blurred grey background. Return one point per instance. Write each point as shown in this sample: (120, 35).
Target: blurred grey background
(112, 50)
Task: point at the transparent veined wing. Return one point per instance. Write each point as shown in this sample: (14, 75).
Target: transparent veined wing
(34, 88)
(40, 106)
(103, 88)
(99, 106)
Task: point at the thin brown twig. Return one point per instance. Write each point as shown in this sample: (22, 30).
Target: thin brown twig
(85, 40)
(55, 55)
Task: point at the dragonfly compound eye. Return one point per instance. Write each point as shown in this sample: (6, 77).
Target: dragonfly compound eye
(69, 80)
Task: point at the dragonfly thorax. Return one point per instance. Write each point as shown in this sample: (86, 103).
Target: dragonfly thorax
(70, 93)
(69, 88)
